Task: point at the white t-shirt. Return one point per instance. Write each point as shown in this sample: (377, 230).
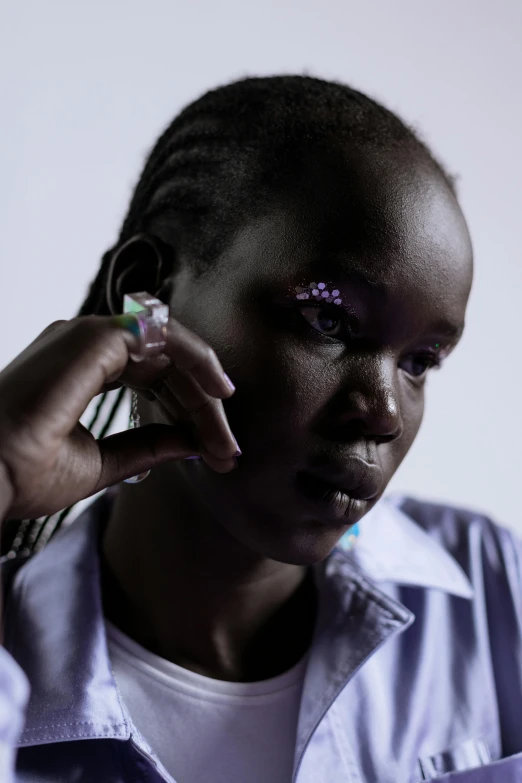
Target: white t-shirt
(205, 730)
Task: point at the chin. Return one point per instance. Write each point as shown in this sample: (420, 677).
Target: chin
(300, 543)
(272, 520)
(299, 534)
(306, 550)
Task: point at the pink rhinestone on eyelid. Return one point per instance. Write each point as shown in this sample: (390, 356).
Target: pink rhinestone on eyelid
(319, 292)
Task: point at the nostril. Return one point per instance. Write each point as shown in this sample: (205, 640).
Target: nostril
(374, 413)
(372, 424)
(384, 427)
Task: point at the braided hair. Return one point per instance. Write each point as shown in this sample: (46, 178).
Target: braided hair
(214, 167)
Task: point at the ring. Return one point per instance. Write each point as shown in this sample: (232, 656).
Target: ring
(147, 318)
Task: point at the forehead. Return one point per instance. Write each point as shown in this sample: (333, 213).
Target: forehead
(388, 216)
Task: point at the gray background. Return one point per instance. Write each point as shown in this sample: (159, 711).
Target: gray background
(88, 86)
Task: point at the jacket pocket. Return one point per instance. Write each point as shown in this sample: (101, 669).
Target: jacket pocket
(466, 755)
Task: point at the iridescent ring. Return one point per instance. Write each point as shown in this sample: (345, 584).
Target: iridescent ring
(149, 321)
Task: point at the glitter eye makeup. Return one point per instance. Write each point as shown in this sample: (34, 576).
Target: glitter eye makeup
(318, 292)
(318, 298)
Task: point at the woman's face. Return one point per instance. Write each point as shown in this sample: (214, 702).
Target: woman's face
(329, 396)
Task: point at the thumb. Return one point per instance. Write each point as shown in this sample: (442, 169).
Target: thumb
(135, 451)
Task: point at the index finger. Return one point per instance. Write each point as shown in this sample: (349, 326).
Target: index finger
(186, 351)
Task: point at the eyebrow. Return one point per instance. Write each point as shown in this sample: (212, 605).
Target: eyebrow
(349, 276)
(355, 276)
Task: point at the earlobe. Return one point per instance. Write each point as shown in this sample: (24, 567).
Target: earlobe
(143, 263)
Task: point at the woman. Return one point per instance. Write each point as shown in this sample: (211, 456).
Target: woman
(204, 624)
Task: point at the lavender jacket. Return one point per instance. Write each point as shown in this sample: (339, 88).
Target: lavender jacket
(415, 671)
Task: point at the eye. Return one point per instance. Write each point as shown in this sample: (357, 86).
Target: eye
(325, 320)
(418, 364)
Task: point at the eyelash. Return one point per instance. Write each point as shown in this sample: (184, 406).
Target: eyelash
(333, 311)
(433, 360)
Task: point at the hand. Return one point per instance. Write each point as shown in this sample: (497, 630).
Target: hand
(48, 460)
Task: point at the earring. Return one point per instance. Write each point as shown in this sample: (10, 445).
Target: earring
(134, 422)
(349, 539)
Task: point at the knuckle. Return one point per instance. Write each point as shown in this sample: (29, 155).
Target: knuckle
(52, 329)
(85, 327)
(54, 325)
(199, 407)
(208, 355)
(93, 338)
(200, 356)
(93, 330)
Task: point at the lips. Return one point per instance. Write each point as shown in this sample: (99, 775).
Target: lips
(343, 487)
(354, 476)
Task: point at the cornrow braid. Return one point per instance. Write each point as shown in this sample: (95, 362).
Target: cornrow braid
(216, 165)
(219, 159)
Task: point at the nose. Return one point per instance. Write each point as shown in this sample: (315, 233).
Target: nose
(369, 400)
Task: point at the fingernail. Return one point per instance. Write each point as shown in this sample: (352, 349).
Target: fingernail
(229, 382)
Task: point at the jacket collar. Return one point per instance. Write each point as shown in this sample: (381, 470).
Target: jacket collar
(356, 617)
(391, 547)
(55, 628)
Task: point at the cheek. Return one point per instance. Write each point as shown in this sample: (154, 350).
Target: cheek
(263, 412)
(280, 391)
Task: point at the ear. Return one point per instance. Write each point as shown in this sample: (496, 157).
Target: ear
(143, 263)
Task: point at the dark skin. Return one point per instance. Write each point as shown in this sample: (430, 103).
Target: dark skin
(212, 570)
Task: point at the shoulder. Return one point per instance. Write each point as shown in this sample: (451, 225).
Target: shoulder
(481, 546)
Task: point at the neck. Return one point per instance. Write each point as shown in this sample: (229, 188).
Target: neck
(174, 580)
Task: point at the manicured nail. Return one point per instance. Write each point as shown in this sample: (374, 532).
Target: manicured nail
(229, 382)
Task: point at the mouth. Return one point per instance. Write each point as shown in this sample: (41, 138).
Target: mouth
(343, 492)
